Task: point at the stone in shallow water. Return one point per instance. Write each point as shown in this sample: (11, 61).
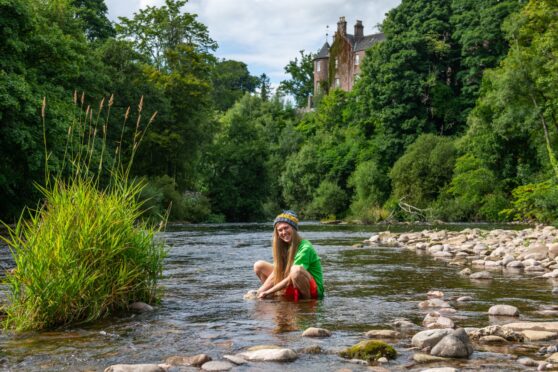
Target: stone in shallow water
(435, 294)
(427, 339)
(453, 345)
(492, 339)
(140, 307)
(433, 302)
(136, 368)
(528, 362)
(440, 369)
(427, 358)
(503, 310)
(496, 330)
(370, 350)
(535, 326)
(316, 332)
(251, 295)
(235, 359)
(481, 275)
(465, 272)
(217, 365)
(464, 299)
(195, 360)
(269, 355)
(539, 335)
(382, 333)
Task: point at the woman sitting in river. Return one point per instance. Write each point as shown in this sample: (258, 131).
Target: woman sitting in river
(296, 268)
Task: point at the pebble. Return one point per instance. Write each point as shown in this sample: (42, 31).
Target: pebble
(464, 299)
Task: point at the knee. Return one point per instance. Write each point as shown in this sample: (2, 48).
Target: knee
(296, 272)
(258, 266)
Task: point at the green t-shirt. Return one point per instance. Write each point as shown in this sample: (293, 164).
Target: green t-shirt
(307, 257)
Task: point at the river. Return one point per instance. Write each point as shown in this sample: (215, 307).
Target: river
(209, 268)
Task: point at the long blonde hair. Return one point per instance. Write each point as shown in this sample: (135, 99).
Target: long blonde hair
(283, 255)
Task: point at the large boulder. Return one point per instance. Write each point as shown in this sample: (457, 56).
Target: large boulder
(427, 339)
(454, 345)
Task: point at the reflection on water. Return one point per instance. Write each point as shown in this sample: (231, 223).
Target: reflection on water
(208, 270)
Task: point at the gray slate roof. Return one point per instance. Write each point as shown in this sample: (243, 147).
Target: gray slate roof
(362, 44)
(324, 52)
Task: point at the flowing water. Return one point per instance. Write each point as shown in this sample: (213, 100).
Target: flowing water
(208, 270)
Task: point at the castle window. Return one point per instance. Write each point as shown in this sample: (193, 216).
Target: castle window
(357, 60)
(318, 66)
(337, 83)
(336, 62)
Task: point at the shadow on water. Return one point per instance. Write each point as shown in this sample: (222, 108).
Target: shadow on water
(208, 270)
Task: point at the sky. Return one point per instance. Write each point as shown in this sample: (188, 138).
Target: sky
(267, 34)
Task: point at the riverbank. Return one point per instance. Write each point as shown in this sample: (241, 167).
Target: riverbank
(532, 251)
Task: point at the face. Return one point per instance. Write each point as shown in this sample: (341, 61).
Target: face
(285, 232)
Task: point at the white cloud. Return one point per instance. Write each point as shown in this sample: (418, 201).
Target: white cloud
(267, 34)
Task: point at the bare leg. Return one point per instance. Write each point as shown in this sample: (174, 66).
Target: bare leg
(300, 278)
(263, 270)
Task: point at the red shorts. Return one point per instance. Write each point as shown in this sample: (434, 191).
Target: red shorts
(291, 291)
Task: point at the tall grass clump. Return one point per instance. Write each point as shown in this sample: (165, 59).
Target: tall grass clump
(84, 253)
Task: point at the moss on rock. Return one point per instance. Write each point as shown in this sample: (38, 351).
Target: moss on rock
(370, 350)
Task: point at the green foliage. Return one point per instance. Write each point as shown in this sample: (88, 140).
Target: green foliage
(370, 351)
(301, 83)
(535, 202)
(82, 254)
(231, 81)
(93, 14)
(424, 170)
(474, 193)
(329, 200)
(371, 189)
(160, 194)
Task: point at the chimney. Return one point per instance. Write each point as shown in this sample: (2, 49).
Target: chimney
(359, 30)
(342, 26)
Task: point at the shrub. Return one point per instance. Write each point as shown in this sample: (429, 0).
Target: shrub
(535, 202)
(424, 170)
(83, 254)
(371, 185)
(329, 200)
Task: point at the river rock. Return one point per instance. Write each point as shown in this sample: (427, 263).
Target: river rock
(433, 302)
(235, 359)
(481, 275)
(270, 355)
(316, 332)
(503, 310)
(552, 274)
(496, 330)
(217, 365)
(454, 345)
(465, 272)
(464, 299)
(528, 362)
(490, 340)
(553, 358)
(427, 358)
(552, 250)
(263, 347)
(140, 307)
(382, 333)
(435, 294)
(427, 339)
(534, 326)
(405, 325)
(195, 360)
(439, 369)
(137, 368)
(539, 335)
(515, 265)
(435, 320)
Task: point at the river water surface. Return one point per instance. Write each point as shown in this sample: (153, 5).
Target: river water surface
(208, 270)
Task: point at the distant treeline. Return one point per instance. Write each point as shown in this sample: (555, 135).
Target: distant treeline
(454, 116)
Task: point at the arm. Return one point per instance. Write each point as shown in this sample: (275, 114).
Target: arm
(277, 287)
(266, 285)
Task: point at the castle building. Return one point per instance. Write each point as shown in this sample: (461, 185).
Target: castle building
(338, 65)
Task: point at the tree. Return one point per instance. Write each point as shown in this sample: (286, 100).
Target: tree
(154, 31)
(301, 83)
(265, 87)
(231, 80)
(93, 14)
